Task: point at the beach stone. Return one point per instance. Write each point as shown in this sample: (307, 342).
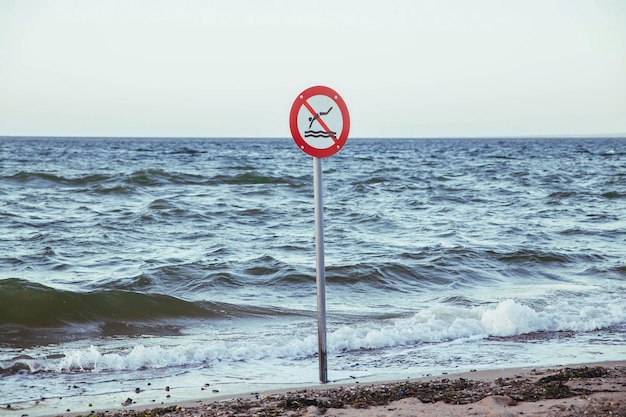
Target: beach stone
(497, 400)
(313, 411)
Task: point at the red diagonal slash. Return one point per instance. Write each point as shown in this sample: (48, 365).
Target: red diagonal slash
(319, 119)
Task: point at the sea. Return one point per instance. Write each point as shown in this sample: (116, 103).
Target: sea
(154, 270)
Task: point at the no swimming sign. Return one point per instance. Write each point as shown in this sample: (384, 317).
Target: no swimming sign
(319, 121)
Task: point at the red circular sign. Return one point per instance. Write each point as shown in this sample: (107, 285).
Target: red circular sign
(319, 121)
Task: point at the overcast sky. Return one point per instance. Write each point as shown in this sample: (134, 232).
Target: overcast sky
(215, 68)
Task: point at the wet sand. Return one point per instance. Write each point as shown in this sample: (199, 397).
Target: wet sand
(597, 389)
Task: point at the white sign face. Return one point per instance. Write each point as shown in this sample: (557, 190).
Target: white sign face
(320, 129)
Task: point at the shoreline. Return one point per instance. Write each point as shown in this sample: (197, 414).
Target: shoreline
(554, 391)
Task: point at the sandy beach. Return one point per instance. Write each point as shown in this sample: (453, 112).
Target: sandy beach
(597, 389)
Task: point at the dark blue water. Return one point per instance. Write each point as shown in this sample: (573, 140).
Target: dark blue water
(181, 262)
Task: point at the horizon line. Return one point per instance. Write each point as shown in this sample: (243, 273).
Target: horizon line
(547, 136)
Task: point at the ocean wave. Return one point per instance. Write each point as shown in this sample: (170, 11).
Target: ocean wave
(430, 268)
(252, 178)
(46, 178)
(199, 280)
(113, 189)
(614, 195)
(410, 273)
(28, 305)
(381, 276)
(108, 183)
(35, 305)
(449, 322)
(153, 177)
(186, 151)
(534, 256)
(436, 324)
(157, 177)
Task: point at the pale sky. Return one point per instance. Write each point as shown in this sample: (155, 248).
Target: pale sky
(233, 68)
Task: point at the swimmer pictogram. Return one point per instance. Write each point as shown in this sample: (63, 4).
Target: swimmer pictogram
(319, 133)
(317, 116)
(319, 121)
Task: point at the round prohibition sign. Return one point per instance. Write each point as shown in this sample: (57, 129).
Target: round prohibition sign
(319, 121)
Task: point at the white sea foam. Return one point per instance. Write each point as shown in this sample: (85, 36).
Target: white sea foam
(510, 318)
(439, 323)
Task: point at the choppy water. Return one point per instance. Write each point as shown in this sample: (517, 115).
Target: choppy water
(150, 262)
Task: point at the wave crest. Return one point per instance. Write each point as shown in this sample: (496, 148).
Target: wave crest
(28, 304)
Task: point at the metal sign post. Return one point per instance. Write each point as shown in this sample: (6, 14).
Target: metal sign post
(320, 269)
(320, 132)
